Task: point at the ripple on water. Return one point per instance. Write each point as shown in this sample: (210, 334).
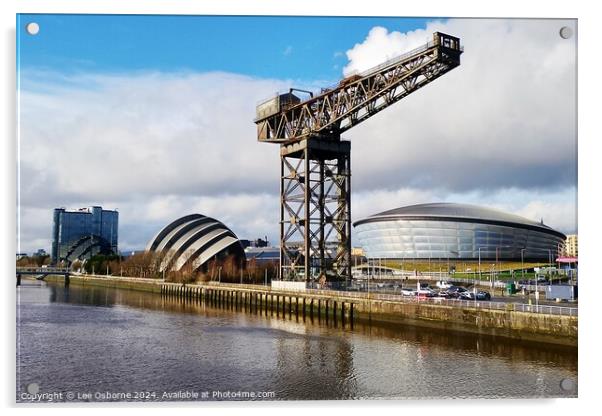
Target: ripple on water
(99, 339)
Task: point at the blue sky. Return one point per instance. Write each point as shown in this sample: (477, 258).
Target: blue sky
(154, 116)
(271, 47)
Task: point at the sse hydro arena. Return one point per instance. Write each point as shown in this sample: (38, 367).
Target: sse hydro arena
(456, 231)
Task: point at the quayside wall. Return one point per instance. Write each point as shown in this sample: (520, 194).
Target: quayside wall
(346, 308)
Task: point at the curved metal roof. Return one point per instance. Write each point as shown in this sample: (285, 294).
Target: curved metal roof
(86, 246)
(192, 239)
(457, 212)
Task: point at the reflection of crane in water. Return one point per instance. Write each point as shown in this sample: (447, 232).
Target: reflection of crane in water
(313, 363)
(315, 204)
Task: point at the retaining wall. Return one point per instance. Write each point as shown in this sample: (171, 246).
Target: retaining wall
(538, 327)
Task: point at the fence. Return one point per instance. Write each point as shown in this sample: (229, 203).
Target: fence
(375, 294)
(506, 306)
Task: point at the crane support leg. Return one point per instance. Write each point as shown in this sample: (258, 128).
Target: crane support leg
(315, 211)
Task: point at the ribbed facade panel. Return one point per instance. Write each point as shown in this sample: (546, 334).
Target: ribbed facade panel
(442, 236)
(193, 240)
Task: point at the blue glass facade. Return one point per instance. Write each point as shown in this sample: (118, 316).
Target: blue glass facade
(69, 226)
(409, 233)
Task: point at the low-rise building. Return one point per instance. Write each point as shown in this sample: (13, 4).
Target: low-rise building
(571, 246)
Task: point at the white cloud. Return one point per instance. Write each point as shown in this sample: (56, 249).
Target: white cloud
(504, 117)
(497, 131)
(145, 134)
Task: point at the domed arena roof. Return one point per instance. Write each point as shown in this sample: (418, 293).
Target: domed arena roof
(193, 239)
(457, 212)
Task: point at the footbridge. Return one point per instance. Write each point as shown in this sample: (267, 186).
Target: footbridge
(41, 273)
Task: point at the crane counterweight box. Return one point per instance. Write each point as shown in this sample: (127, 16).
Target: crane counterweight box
(276, 104)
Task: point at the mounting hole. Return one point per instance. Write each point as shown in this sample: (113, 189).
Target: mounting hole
(566, 32)
(567, 384)
(32, 28)
(33, 388)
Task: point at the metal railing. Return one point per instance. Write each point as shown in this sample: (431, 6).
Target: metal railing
(43, 270)
(375, 294)
(505, 306)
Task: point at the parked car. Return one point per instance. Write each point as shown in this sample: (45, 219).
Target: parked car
(466, 295)
(443, 284)
(426, 292)
(442, 294)
(483, 295)
(454, 292)
(480, 295)
(406, 291)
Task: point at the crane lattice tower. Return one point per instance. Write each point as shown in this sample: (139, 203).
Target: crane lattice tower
(315, 171)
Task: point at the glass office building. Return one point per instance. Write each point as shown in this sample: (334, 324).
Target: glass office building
(456, 231)
(83, 232)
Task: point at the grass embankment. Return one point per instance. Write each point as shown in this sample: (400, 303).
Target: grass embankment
(510, 270)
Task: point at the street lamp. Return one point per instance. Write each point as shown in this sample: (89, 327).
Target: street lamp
(522, 262)
(497, 261)
(480, 276)
(536, 280)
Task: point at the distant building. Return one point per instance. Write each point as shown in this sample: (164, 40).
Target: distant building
(192, 241)
(456, 231)
(263, 254)
(21, 255)
(83, 233)
(255, 243)
(40, 253)
(357, 251)
(571, 246)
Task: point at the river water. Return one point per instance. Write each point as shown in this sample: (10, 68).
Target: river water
(100, 344)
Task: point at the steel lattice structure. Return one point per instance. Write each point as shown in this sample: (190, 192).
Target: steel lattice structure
(315, 184)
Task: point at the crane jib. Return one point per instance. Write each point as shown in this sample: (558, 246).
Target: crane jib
(286, 118)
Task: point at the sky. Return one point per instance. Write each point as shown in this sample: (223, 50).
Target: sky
(153, 116)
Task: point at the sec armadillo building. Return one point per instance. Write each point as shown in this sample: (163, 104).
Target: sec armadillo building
(448, 230)
(191, 241)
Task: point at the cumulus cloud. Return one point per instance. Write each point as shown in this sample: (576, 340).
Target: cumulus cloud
(505, 118)
(498, 131)
(155, 145)
(144, 134)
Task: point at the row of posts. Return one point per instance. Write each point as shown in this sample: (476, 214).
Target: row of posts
(264, 302)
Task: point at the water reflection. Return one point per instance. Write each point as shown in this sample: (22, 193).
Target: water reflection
(107, 339)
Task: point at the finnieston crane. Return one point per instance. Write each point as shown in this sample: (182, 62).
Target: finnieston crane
(315, 171)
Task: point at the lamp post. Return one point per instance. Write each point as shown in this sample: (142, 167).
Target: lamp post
(536, 280)
(522, 262)
(499, 271)
(479, 264)
(480, 276)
